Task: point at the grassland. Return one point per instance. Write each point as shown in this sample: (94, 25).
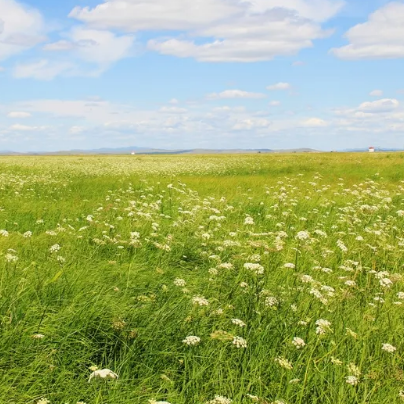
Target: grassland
(202, 279)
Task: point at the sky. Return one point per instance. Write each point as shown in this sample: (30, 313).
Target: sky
(186, 74)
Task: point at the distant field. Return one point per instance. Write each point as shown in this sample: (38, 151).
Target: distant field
(202, 279)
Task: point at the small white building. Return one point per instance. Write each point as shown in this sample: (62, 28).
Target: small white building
(371, 149)
(133, 153)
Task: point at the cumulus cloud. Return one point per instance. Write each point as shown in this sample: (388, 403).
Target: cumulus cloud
(228, 94)
(314, 123)
(383, 105)
(279, 86)
(21, 27)
(242, 31)
(91, 53)
(381, 37)
(94, 122)
(19, 114)
(95, 46)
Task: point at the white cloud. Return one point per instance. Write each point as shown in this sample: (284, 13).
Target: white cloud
(90, 123)
(274, 103)
(1, 69)
(316, 10)
(252, 123)
(314, 123)
(26, 128)
(376, 93)
(383, 105)
(242, 31)
(42, 70)
(381, 37)
(279, 86)
(21, 28)
(228, 94)
(135, 15)
(97, 49)
(298, 63)
(94, 46)
(19, 114)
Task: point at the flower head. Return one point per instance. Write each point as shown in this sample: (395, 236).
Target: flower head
(191, 340)
(103, 374)
(389, 348)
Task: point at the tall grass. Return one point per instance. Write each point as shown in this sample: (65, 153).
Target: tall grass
(288, 269)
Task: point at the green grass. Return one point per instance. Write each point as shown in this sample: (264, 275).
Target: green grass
(101, 295)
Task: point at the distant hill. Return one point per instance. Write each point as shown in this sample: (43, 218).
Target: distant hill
(145, 150)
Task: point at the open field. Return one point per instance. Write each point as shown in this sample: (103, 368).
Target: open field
(202, 279)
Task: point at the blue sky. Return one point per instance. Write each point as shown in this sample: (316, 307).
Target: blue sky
(325, 74)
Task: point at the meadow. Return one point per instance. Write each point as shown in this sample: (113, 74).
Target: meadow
(272, 279)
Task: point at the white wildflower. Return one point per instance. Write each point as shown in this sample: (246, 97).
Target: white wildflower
(179, 282)
(239, 342)
(200, 301)
(238, 322)
(350, 283)
(385, 282)
(11, 258)
(352, 380)
(192, 340)
(289, 265)
(54, 248)
(298, 342)
(255, 258)
(225, 265)
(271, 301)
(284, 363)
(220, 400)
(389, 348)
(342, 246)
(249, 220)
(307, 279)
(323, 326)
(303, 235)
(353, 369)
(254, 267)
(103, 374)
